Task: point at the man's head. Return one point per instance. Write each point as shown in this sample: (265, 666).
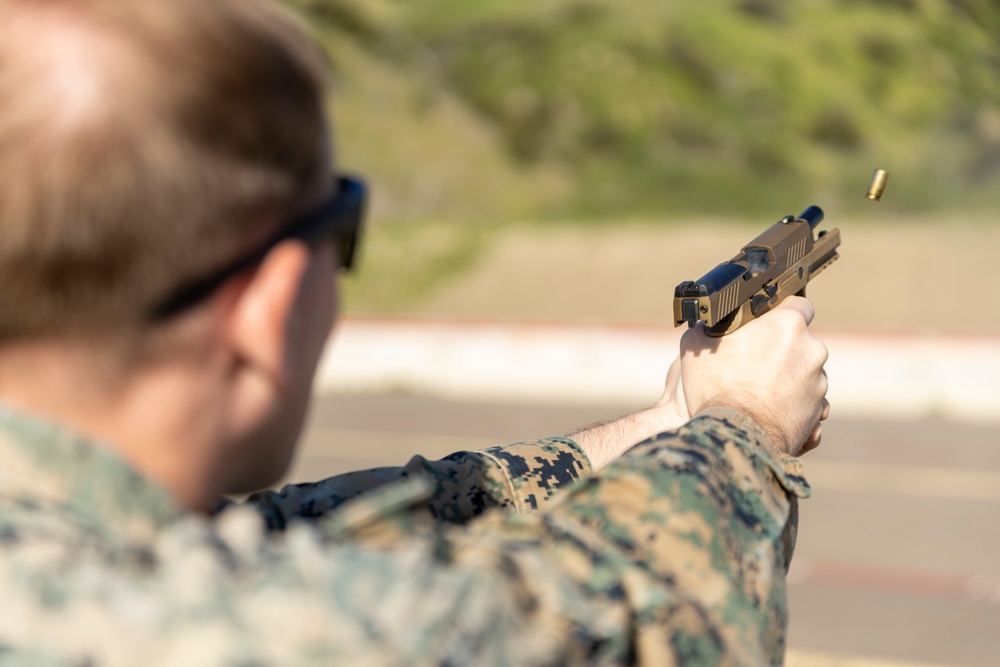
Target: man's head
(143, 145)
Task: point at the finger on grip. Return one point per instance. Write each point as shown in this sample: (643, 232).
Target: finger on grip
(801, 304)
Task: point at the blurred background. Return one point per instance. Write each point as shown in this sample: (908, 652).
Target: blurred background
(545, 173)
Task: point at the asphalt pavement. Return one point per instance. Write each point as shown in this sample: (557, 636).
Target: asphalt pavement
(898, 559)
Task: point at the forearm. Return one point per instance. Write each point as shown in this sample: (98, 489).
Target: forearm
(519, 477)
(604, 442)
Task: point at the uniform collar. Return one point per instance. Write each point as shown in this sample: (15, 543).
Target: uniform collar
(47, 468)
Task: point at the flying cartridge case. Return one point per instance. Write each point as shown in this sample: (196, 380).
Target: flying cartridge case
(877, 187)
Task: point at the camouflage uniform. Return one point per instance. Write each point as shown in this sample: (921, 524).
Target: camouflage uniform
(676, 553)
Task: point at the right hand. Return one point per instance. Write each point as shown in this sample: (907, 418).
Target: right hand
(770, 369)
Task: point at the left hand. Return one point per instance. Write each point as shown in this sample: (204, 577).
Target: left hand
(606, 441)
(672, 409)
(817, 434)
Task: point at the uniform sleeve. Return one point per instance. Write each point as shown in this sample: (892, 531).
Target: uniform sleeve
(695, 532)
(519, 477)
(674, 554)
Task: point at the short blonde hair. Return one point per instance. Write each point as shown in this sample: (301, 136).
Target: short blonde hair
(143, 142)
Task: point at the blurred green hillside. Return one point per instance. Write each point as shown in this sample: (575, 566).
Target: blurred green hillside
(493, 109)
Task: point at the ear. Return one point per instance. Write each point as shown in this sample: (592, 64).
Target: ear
(261, 323)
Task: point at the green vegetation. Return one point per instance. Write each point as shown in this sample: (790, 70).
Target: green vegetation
(592, 109)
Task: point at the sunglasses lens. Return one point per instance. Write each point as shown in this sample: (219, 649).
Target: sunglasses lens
(347, 244)
(354, 195)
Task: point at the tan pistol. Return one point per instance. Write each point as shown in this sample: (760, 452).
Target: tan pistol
(776, 264)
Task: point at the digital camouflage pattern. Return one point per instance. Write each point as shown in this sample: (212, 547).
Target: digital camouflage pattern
(676, 553)
(517, 477)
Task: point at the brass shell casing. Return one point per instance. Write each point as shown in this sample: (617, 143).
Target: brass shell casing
(877, 187)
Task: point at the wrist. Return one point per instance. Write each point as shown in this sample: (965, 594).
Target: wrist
(660, 418)
(607, 441)
(775, 434)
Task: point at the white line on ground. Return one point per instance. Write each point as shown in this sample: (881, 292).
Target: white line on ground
(871, 374)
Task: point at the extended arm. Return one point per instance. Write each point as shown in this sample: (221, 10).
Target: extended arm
(674, 554)
(526, 476)
(518, 477)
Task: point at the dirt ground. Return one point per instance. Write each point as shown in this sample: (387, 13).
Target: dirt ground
(925, 275)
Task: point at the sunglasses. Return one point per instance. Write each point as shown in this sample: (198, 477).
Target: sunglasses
(339, 217)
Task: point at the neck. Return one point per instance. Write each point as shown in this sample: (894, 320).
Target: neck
(159, 420)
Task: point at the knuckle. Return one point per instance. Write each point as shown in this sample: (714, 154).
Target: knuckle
(689, 340)
(791, 320)
(822, 353)
(804, 306)
(824, 385)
